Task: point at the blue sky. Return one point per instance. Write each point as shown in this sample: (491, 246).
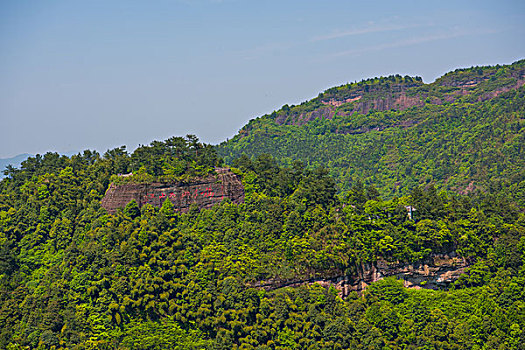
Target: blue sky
(100, 74)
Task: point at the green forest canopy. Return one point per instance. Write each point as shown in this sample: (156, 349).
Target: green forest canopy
(73, 276)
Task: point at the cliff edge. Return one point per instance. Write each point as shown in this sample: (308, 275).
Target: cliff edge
(205, 192)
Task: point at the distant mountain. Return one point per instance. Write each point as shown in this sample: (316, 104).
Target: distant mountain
(464, 132)
(14, 161)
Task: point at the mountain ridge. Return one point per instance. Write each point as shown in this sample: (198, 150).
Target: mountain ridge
(408, 91)
(380, 131)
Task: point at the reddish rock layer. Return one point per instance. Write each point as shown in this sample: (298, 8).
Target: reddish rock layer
(206, 192)
(362, 99)
(432, 273)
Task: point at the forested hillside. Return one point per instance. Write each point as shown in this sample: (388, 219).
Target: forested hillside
(465, 132)
(74, 276)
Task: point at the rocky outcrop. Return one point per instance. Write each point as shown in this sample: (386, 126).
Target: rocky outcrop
(390, 100)
(303, 118)
(397, 93)
(205, 192)
(362, 99)
(436, 272)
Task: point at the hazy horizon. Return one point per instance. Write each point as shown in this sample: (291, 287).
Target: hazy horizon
(97, 75)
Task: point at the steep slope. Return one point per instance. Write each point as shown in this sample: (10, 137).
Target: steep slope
(464, 132)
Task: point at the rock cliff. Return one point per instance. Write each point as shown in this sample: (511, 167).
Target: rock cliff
(206, 192)
(435, 272)
(380, 98)
(397, 93)
(359, 99)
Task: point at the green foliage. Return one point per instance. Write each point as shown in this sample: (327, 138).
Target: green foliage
(464, 139)
(175, 159)
(132, 209)
(388, 289)
(73, 276)
(165, 334)
(243, 276)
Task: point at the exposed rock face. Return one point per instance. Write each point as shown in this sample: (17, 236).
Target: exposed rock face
(206, 192)
(394, 97)
(303, 118)
(433, 273)
(384, 96)
(363, 100)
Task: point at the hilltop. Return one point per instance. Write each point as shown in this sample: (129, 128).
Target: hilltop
(464, 132)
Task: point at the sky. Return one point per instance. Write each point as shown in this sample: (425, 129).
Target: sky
(78, 75)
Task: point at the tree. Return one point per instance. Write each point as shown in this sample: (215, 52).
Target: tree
(388, 289)
(132, 209)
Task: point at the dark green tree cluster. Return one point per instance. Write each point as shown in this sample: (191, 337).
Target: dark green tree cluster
(73, 276)
(174, 158)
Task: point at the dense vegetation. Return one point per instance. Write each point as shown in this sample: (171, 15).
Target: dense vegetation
(73, 276)
(458, 135)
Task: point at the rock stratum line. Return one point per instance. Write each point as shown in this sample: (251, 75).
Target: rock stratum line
(205, 192)
(434, 272)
